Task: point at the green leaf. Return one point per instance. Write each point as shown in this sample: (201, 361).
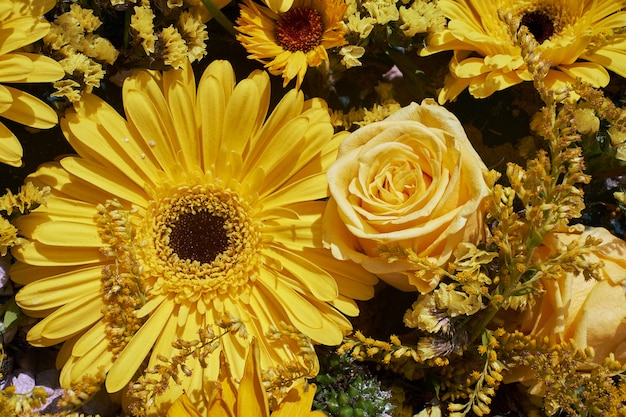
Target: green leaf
(12, 315)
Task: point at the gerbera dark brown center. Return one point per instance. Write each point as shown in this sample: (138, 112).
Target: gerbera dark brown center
(299, 29)
(199, 236)
(539, 25)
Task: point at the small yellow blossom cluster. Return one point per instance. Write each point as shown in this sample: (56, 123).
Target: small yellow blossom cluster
(597, 108)
(403, 358)
(463, 293)
(28, 404)
(14, 404)
(362, 116)
(279, 380)
(12, 205)
(83, 391)
(479, 387)
(80, 51)
(366, 21)
(122, 287)
(156, 379)
(182, 35)
(564, 389)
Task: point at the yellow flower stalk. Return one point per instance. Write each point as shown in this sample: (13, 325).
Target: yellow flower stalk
(21, 24)
(578, 39)
(291, 42)
(198, 205)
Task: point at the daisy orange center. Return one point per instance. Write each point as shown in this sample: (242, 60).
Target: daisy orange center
(299, 29)
(539, 25)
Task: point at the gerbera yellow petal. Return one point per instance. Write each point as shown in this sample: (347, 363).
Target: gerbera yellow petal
(611, 58)
(163, 345)
(154, 127)
(5, 9)
(211, 105)
(110, 181)
(24, 274)
(289, 107)
(71, 319)
(69, 234)
(251, 397)
(310, 276)
(29, 111)
(21, 23)
(66, 209)
(297, 402)
(275, 154)
(98, 357)
(279, 5)
(348, 306)
(185, 121)
(183, 408)
(44, 255)
(355, 283)
(137, 349)
(22, 67)
(14, 67)
(107, 140)
(21, 31)
(471, 67)
(89, 339)
(245, 96)
(227, 398)
(301, 313)
(589, 72)
(313, 186)
(10, 148)
(149, 306)
(47, 294)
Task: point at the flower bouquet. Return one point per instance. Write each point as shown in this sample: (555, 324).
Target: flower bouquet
(313, 207)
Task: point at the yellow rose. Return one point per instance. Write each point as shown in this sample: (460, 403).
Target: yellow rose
(592, 313)
(412, 181)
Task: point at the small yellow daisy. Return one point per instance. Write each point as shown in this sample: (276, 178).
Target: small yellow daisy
(578, 39)
(290, 42)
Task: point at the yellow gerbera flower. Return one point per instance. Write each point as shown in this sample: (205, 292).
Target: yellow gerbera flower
(577, 38)
(290, 42)
(21, 24)
(195, 207)
(248, 397)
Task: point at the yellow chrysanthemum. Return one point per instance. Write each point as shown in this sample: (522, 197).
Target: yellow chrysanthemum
(248, 398)
(289, 43)
(21, 24)
(577, 38)
(196, 206)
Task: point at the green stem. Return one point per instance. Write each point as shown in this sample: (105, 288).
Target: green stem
(220, 17)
